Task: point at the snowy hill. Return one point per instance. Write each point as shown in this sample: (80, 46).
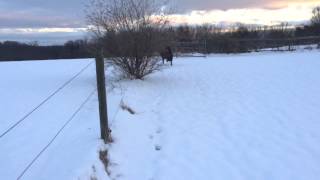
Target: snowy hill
(249, 116)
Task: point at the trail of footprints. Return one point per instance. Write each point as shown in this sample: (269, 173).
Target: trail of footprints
(158, 147)
(157, 139)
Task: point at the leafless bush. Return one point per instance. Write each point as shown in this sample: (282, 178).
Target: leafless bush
(130, 33)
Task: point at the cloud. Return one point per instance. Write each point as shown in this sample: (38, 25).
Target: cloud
(40, 13)
(263, 12)
(207, 5)
(190, 5)
(54, 5)
(29, 20)
(70, 13)
(44, 36)
(252, 16)
(67, 16)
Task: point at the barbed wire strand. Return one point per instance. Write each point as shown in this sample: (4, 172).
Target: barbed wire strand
(45, 100)
(57, 134)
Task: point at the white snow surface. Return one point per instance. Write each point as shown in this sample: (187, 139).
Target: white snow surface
(240, 117)
(23, 85)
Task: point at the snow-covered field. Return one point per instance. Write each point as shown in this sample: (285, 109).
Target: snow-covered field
(23, 86)
(248, 116)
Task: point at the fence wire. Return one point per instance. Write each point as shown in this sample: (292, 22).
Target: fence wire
(45, 100)
(56, 135)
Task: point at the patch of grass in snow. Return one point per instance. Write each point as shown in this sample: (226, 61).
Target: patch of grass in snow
(93, 177)
(127, 108)
(103, 155)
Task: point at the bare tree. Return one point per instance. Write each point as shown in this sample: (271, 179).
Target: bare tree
(315, 20)
(131, 32)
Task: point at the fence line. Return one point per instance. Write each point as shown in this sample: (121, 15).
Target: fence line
(57, 134)
(45, 100)
(233, 45)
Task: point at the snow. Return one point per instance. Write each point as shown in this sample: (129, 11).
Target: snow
(23, 85)
(250, 116)
(247, 116)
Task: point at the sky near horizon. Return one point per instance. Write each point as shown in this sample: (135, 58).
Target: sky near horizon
(54, 21)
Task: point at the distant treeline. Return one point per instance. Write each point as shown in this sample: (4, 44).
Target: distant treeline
(183, 39)
(244, 38)
(12, 50)
(241, 38)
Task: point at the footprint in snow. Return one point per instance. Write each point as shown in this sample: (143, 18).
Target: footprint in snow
(159, 131)
(157, 147)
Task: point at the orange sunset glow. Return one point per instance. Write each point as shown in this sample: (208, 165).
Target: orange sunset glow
(274, 12)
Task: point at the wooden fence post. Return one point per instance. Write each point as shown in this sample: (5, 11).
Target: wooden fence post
(101, 87)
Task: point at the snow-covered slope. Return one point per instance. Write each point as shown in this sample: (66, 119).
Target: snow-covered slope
(248, 116)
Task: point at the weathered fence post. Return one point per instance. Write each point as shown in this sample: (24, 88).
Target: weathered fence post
(102, 95)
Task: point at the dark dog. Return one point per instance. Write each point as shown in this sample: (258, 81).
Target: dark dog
(167, 55)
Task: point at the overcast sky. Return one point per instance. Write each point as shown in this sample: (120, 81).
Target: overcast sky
(38, 19)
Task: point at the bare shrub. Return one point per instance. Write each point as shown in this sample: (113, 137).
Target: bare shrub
(130, 33)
